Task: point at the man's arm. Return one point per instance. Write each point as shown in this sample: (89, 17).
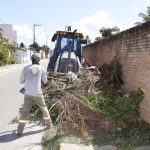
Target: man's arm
(44, 77)
(22, 77)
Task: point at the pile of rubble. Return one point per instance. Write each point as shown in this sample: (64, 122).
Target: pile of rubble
(69, 90)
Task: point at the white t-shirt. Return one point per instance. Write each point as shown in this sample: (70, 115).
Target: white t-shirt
(32, 76)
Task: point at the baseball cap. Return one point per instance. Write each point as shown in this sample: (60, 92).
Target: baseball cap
(35, 56)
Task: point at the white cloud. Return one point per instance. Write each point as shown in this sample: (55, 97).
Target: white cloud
(147, 3)
(135, 7)
(25, 34)
(90, 25)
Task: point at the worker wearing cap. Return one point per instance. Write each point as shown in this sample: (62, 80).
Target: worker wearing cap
(32, 76)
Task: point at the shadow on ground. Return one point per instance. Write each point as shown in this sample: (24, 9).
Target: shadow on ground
(11, 135)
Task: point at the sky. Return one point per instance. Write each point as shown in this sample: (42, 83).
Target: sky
(87, 16)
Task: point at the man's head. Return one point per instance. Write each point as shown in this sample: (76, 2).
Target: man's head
(35, 58)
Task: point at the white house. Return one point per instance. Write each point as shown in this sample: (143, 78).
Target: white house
(22, 55)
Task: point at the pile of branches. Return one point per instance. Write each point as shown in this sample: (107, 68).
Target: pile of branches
(110, 76)
(72, 110)
(82, 117)
(77, 114)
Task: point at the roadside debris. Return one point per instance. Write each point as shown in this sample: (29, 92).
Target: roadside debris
(69, 90)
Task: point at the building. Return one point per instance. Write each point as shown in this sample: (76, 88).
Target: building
(8, 33)
(22, 55)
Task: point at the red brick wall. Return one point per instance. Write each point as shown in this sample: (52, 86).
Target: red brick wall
(132, 47)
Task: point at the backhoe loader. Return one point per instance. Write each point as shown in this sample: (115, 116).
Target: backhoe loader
(67, 54)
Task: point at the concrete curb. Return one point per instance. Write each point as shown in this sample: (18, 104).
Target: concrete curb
(65, 146)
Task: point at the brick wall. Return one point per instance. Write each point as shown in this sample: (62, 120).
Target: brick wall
(132, 47)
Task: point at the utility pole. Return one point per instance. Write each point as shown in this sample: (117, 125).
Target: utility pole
(34, 25)
(46, 39)
(46, 48)
(34, 32)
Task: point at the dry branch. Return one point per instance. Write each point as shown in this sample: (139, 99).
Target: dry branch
(75, 112)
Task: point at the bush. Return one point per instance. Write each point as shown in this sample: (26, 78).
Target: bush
(4, 56)
(12, 60)
(124, 110)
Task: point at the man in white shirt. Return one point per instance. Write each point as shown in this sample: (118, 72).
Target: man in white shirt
(32, 76)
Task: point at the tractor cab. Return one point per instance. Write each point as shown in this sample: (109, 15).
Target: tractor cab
(67, 55)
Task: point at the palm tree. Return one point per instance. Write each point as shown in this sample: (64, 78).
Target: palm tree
(145, 17)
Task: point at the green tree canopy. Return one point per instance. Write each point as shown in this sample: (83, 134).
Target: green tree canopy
(107, 32)
(22, 45)
(1, 36)
(97, 39)
(35, 46)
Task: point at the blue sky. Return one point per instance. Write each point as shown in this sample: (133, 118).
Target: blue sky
(87, 16)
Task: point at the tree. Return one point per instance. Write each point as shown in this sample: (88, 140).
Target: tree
(11, 46)
(4, 54)
(107, 32)
(22, 45)
(5, 48)
(35, 46)
(1, 36)
(97, 39)
(145, 17)
(43, 46)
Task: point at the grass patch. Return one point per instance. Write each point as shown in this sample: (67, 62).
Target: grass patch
(51, 140)
(126, 139)
(14, 120)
